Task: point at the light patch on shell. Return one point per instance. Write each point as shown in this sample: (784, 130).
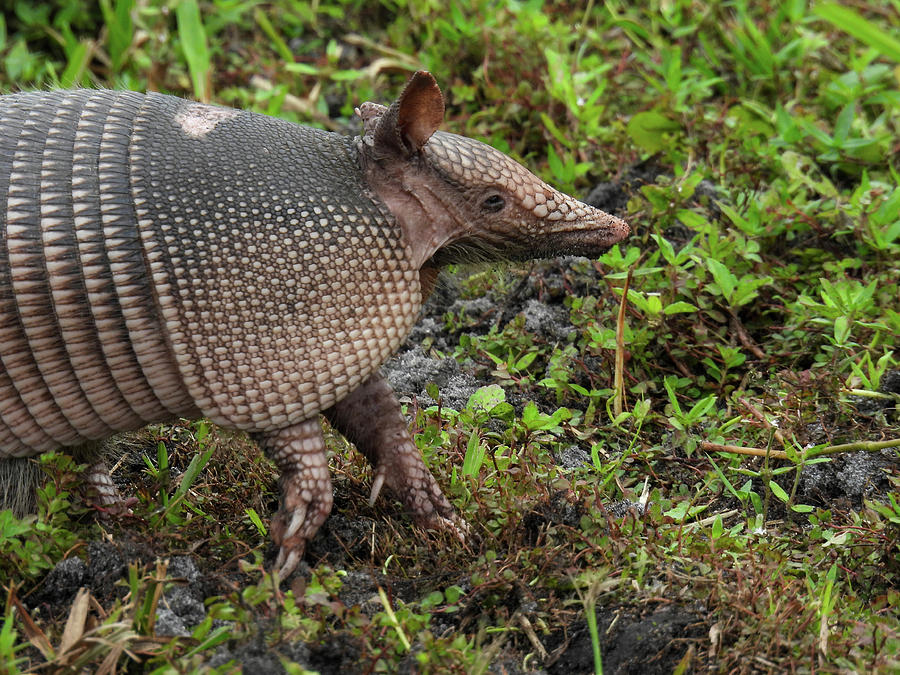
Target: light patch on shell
(198, 119)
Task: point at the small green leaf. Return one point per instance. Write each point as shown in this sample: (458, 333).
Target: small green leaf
(119, 29)
(453, 594)
(669, 382)
(746, 289)
(474, 456)
(78, 56)
(555, 163)
(301, 68)
(432, 600)
(684, 510)
(680, 308)
(665, 246)
(257, 521)
(700, 409)
(842, 124)
(842, 327)
(486, 398)
(778, 491)
(525, 361)
(435, 393)
(725, 280)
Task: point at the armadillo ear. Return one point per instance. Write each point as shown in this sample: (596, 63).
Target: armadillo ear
(406, 126)
(421, 109)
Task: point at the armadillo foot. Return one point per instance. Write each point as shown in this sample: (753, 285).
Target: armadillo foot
(103, 491)
(306, 495)
(411, 482)
(371, 418)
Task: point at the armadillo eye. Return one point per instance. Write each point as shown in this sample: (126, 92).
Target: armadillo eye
(493, 203)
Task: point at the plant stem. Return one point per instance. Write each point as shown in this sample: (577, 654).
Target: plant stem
(858, 446)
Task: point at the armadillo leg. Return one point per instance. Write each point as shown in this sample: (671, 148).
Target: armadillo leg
(371, 419)
(306, 495)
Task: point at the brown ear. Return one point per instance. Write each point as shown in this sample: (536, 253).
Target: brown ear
(406, 126)
(421, 109)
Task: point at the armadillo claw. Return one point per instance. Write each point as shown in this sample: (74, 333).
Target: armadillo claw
(420, 493)
(297, 520)
(390, 449)
(377, 484)
(427, 505)
(306, 495)
(287, 561)
(305, 506)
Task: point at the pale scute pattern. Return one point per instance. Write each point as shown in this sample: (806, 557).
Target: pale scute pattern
(278, 297)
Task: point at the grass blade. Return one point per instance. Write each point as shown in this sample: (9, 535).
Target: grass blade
(861, 28)
(193, 43)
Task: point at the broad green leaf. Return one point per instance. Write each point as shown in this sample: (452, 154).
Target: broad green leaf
(486, 398)
(648, 130)
(693, 220)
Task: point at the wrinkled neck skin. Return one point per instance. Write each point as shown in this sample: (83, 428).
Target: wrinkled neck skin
(429, 216)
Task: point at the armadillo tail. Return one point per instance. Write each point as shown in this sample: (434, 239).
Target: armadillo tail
(20, 478)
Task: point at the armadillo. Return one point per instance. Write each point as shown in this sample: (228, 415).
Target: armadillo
(161, 258)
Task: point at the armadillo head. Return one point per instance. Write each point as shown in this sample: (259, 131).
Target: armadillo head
(458, 199)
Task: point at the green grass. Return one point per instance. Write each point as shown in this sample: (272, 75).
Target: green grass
(757, 146)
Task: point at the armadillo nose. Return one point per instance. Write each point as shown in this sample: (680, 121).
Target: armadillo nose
(611, 229)
(621, 229)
